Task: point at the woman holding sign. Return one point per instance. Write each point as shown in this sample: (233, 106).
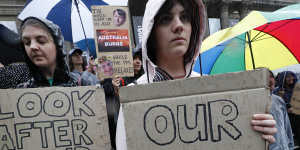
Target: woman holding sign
(172, 34)
(42, 42)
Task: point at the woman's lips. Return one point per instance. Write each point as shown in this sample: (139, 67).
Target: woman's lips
(178, 39)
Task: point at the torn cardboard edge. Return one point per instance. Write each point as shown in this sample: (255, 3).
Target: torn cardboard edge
(198, 85)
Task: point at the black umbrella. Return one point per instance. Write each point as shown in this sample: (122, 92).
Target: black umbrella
(10, 46)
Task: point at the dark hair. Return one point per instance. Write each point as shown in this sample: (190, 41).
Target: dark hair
(71, 65)
(137, 54)
(270, 72)
(120, 12)
(192, 10)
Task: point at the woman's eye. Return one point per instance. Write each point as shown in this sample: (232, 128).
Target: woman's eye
(185, 17)
(165, 19)
(27, 43)
(42, 41)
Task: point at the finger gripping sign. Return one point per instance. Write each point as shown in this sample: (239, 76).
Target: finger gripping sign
(212, 112)
(53, 118)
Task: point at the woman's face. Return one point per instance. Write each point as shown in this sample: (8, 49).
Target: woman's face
(106, 67)
(39, 46)
(289, 80)
(172, 33)
(137, 64)
(77, 58)
(118, 19)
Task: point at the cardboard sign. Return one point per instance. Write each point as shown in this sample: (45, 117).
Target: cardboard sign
(54, 118)
(295, 101)
(210, 112)
(113, 41)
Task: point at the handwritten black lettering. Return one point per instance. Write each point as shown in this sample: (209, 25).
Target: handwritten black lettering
(188, 133)
(60, 132)
(43, 126)
(79, 103)
(226, 111)
(79, 128)
(159, 125)
(6, 141)
(4, 116)
(29, 105)
(57, 104)
(20, 129)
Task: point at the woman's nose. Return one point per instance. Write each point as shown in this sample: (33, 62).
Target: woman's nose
(138, 62)
(34, 45)
(177, 25)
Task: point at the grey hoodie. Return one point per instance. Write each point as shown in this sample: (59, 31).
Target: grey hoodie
(61, 74)
(152, 8)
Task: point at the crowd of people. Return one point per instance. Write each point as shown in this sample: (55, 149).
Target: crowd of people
(173, 31)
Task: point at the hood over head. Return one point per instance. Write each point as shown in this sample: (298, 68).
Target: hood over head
(78, 50)
(61, 73)
(198, 29)
(280, 78)
(280, 85)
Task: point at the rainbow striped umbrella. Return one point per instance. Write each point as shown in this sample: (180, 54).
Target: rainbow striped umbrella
(261, 39)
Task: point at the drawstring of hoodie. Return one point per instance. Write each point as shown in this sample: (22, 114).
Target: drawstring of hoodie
(147, 71)
(200, 64)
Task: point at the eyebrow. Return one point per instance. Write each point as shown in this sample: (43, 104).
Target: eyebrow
(37, 37)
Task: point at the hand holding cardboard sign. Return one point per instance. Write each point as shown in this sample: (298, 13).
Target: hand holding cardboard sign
(265, 124)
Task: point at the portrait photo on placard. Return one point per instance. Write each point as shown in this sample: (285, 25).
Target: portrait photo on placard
(119, 17)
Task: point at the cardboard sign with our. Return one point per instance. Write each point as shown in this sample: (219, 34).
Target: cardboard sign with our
(210, 112)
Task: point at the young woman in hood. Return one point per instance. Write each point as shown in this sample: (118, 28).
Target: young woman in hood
(172, 35)
(42, 43)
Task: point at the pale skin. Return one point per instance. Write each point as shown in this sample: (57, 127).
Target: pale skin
(137, 65)
(92, 65)
(175, 32)
(118, 19)
(173, 37)
(40, 48)
(77, 61)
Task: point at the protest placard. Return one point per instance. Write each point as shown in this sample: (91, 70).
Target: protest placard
(54, 118)
(295, 101)
(113, 41)
(209, 112)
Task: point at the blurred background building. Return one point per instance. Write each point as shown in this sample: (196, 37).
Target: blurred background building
(224, 13)
(229, 12)
(221, 13)
(9, 10)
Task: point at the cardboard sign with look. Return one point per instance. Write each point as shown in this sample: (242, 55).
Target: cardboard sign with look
(54, 118)
(209, 112)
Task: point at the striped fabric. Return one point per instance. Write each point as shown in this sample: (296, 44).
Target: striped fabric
(161, 75)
